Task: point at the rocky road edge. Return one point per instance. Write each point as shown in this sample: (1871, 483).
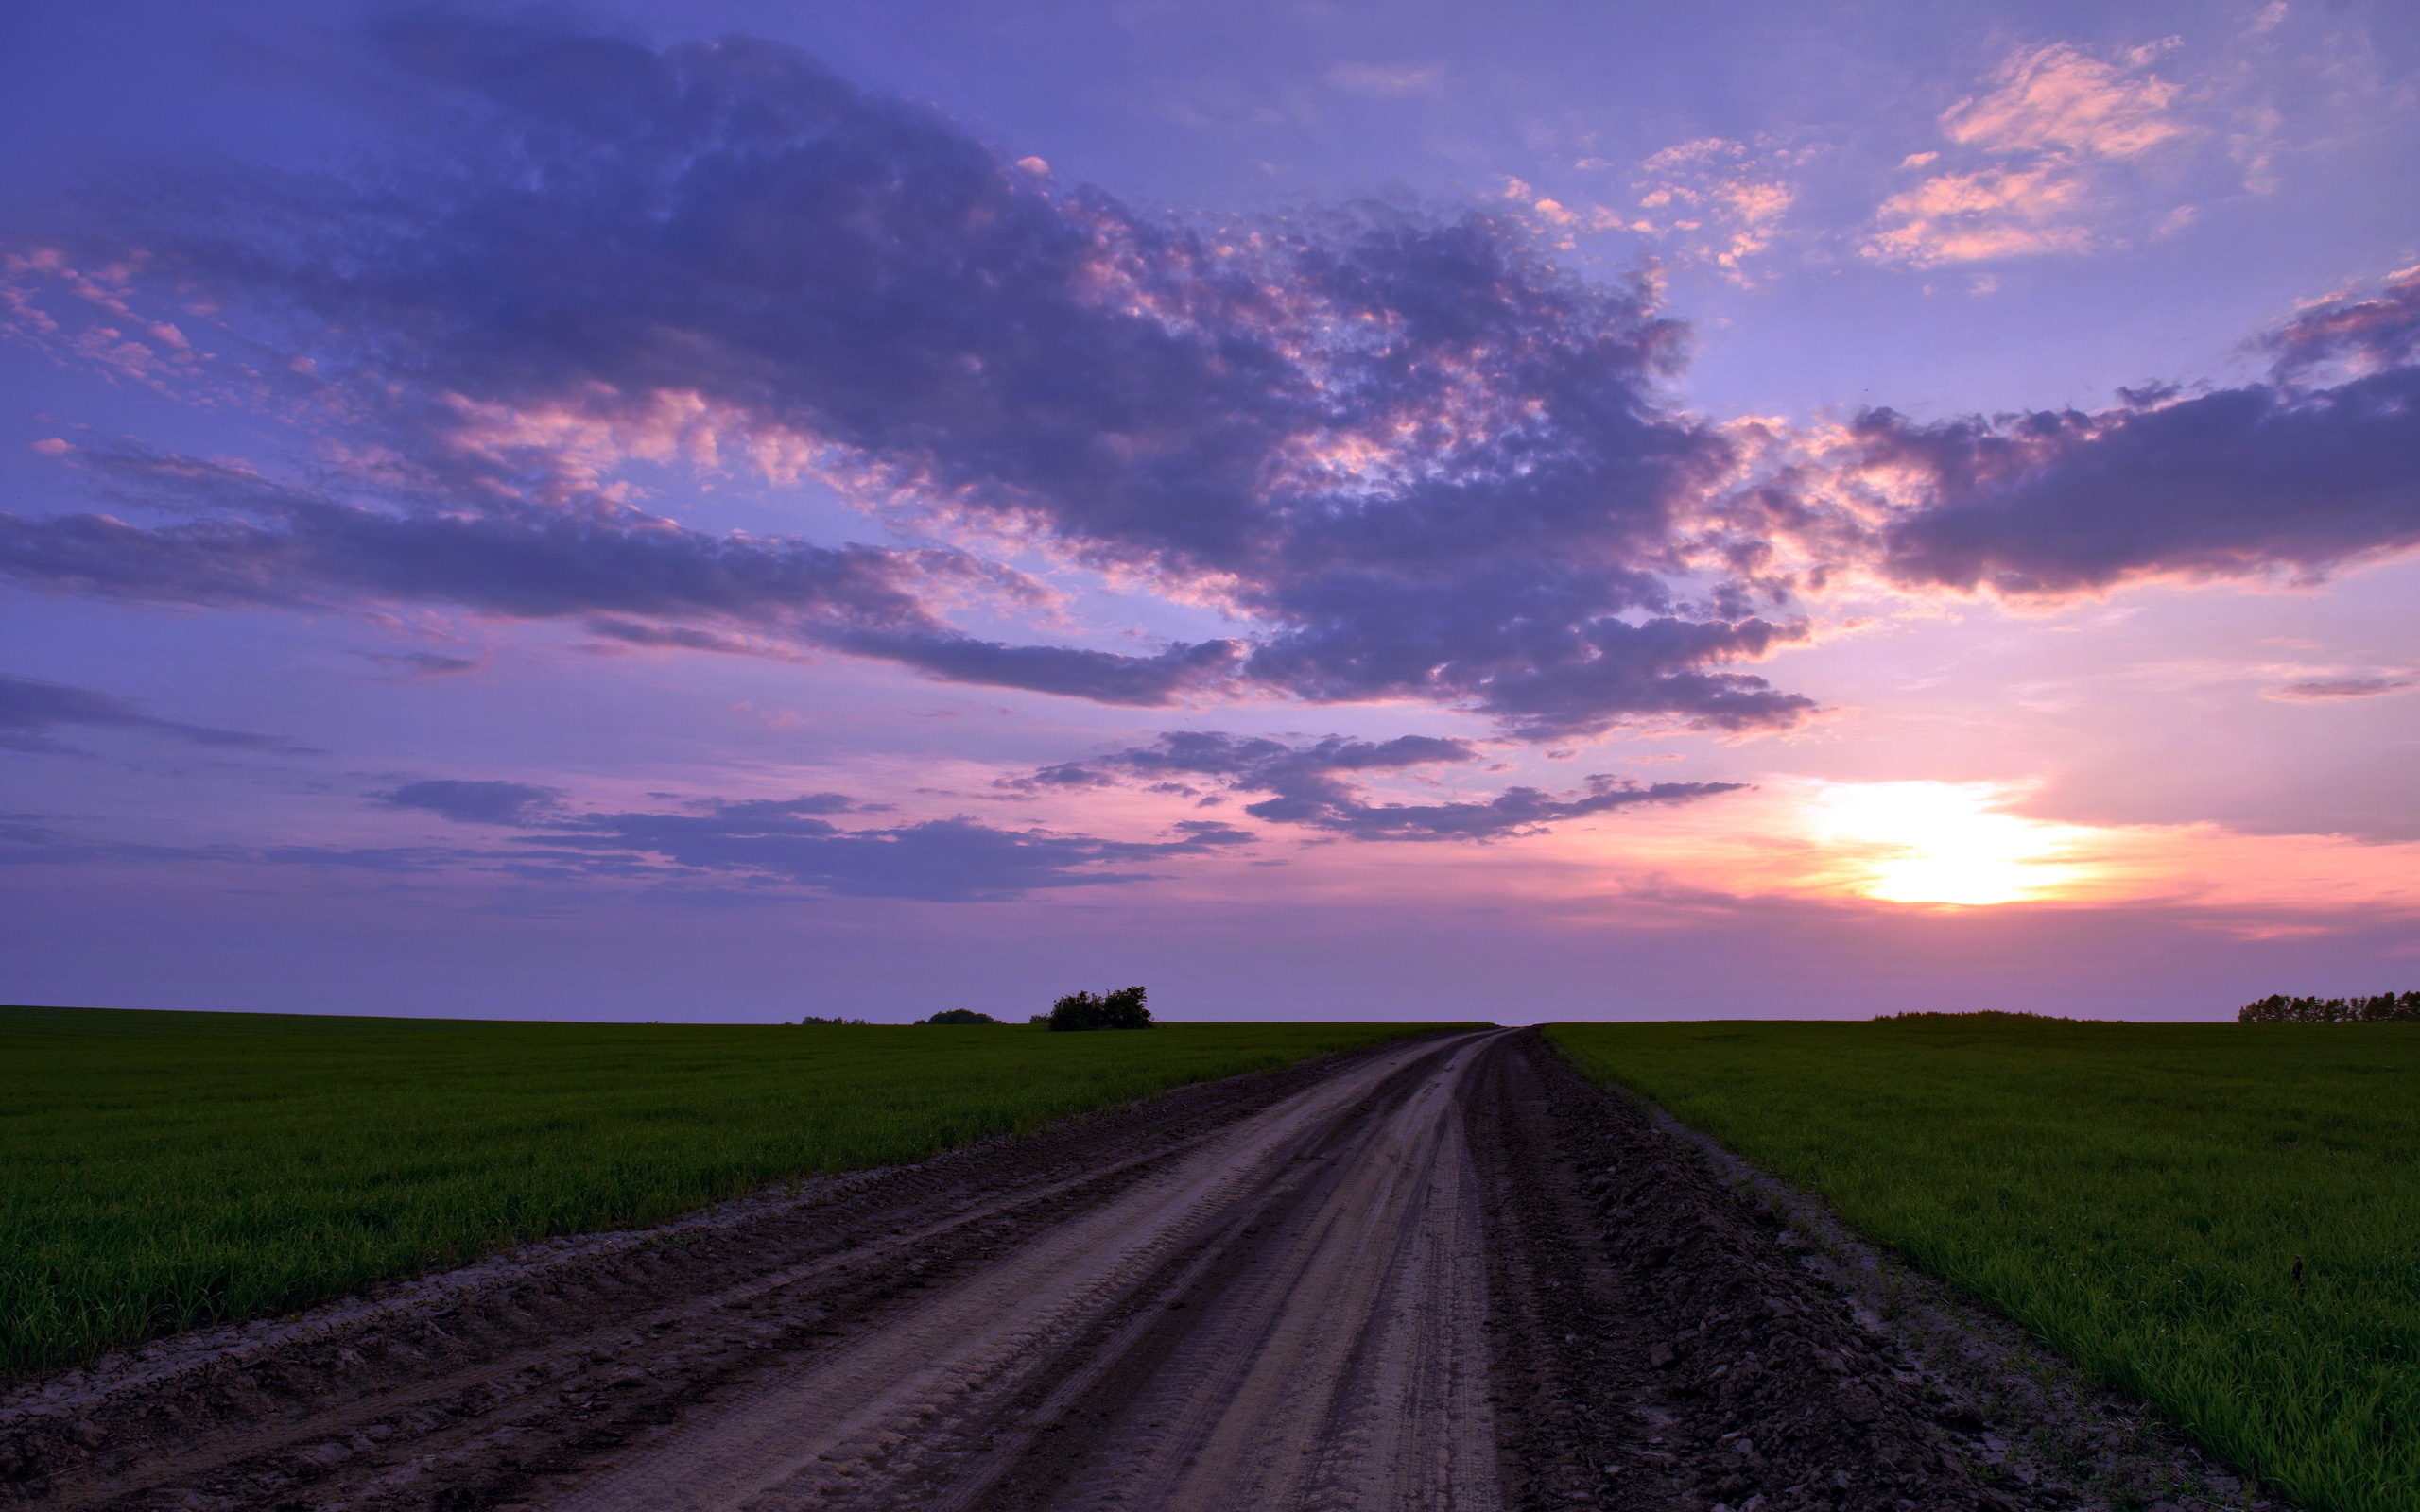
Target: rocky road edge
(1705, 1337)
(619, 1329)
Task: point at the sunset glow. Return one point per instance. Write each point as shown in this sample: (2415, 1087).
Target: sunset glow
(1944, 843)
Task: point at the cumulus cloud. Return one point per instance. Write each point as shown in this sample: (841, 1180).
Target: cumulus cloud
(1309, 785)
(1410, 456)
(2287, 478)
(2249, 482)
(2027, 165)
(30, 708)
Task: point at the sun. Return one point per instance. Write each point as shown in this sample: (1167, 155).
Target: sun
(1926, 842)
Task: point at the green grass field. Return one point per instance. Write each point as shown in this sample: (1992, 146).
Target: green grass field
(2135, 1195)
(159, 1171)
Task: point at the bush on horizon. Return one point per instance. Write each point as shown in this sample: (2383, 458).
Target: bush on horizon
(1121, 1009)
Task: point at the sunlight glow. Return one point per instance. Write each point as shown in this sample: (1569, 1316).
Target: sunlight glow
(1924, 842)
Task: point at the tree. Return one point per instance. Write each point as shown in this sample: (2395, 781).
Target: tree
(958, 1016)
(2387, 1007)
(1121, 1009)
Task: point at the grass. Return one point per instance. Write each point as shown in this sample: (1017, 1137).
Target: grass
(160, 1171)
(2135, 1194)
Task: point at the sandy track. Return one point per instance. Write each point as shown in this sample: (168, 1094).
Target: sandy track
(1290, 1316)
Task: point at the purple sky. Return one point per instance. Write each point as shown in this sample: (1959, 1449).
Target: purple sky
(733, 509)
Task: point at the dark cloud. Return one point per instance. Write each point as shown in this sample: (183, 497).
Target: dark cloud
(2346, 688)
(270, 543)
(1412, 456)
(476, 802)
(2366, 335)
(759, 843)
(956, 859)
(30, 707)
(2244, 482)
(1308, 787)
(415, 664)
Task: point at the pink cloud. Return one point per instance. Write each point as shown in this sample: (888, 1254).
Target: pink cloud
(2032, 154)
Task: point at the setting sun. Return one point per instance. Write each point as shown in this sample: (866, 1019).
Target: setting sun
(1925, 842)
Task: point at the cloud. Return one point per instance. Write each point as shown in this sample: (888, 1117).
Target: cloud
(418, 664)
(1713, 202)
(2238, 483)
(2345, 688)
(2351, 336)
(1308, 788)
(30, 707)
(270, 543)
(2058, 99)
(1410, 456)
(467, 802)
(2028, 169)
(753, 844)
(2285, 478)
(954, 860)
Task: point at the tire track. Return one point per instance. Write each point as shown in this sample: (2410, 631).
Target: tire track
(1290, 1316)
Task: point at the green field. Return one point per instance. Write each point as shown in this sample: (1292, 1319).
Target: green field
(159, 1171)
(2135, 1195)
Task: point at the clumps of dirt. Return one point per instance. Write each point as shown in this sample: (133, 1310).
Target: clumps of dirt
(1684, 1348)
(2025, 1413)
(1698, 1366)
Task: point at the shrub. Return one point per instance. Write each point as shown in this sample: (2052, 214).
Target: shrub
(2387, 1007)
(811, 1019)
(958, 1016)
(1121, 1009)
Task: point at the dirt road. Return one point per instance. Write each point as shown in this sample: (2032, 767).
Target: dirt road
(1291, 1315)
(1440, 1273)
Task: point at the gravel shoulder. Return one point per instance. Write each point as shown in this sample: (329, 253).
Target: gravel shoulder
(1440, 1273)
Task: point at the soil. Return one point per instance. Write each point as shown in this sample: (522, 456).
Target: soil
(1442, 1273)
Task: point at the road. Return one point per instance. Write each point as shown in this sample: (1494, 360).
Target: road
(1444, 1274)
(1292, 1315)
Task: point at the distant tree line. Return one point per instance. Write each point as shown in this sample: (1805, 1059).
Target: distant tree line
(2387, 1007)
(1121, 1009)
(1976, 1016)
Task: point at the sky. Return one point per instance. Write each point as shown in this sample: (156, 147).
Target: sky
(744, 508)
